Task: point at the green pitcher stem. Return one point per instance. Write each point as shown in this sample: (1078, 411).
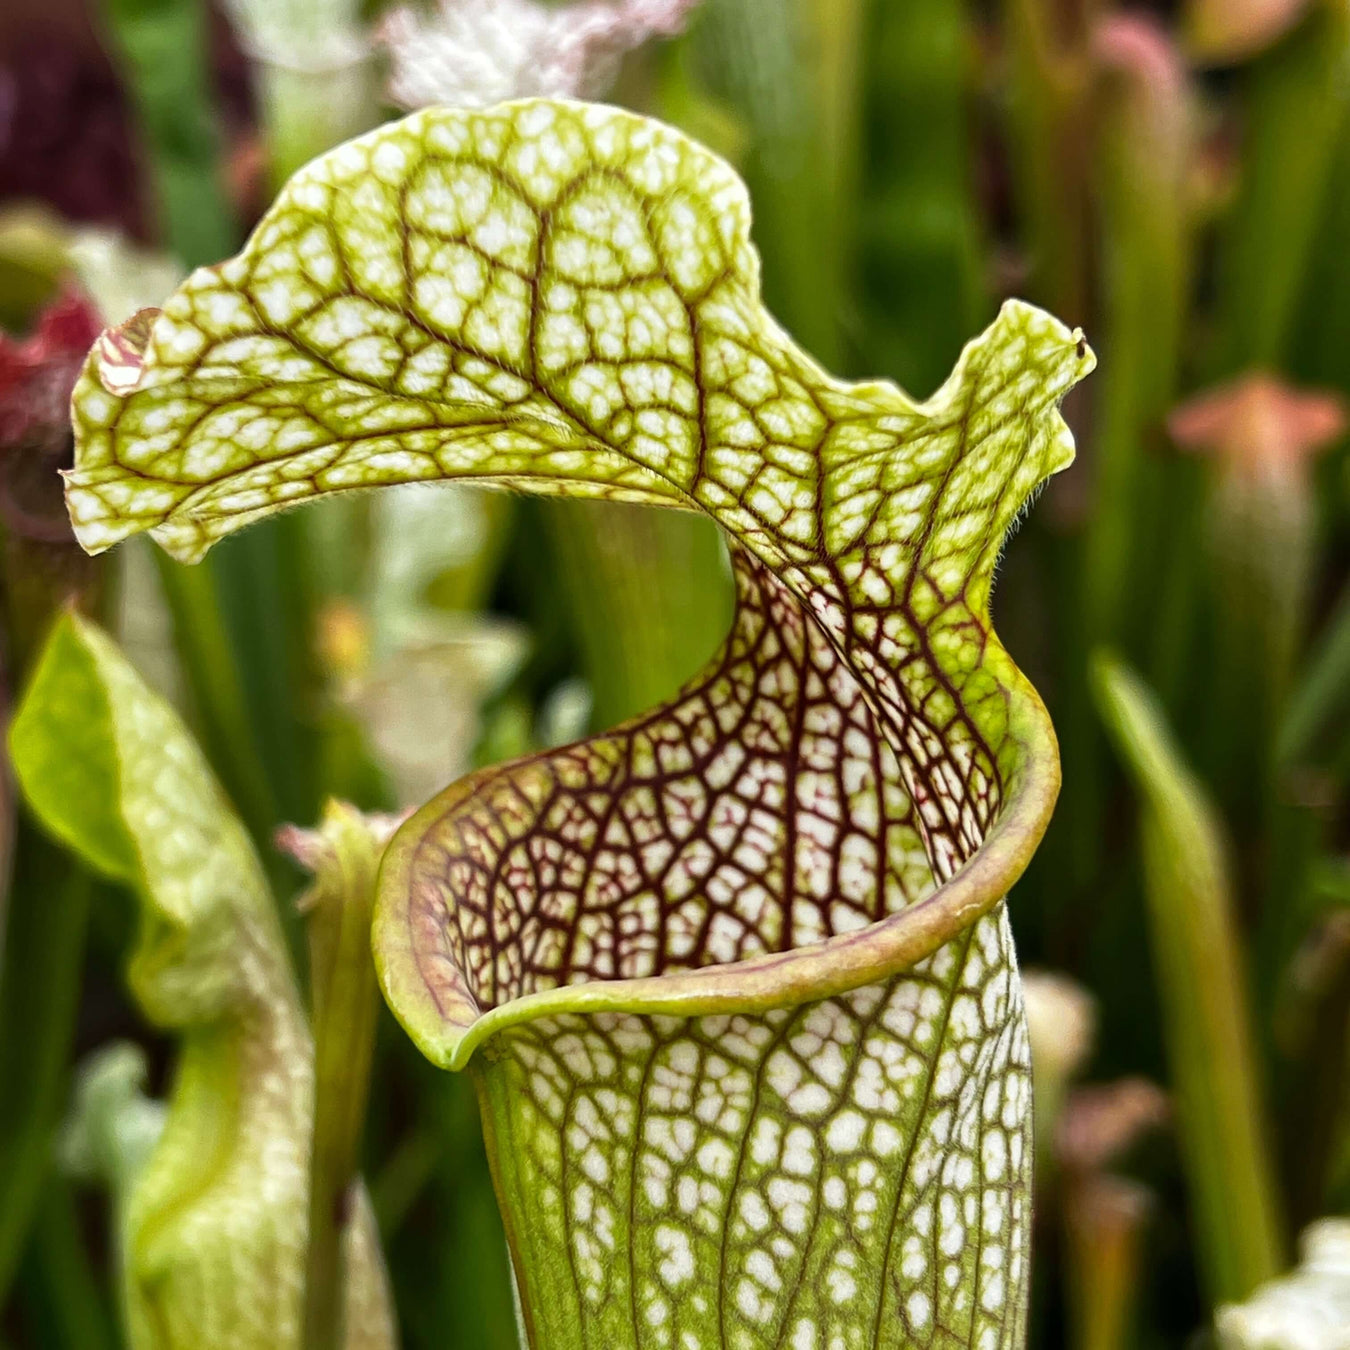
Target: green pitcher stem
(39, 1001)
(802, 115)
(1322, 695)
(306, 112)
(1049, 91)
(1104, 1229)
(1297, 98)
(344, 852)
(648, 594)
(1202, 981)
(192, 596)
(163, 48)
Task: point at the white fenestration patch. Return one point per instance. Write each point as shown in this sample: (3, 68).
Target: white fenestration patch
(677, 1268)
(751, 1201)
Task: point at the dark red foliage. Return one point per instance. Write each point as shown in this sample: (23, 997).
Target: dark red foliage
(37, 374)
(65, 131)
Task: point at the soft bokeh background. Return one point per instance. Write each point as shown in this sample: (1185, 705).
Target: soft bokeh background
(1175, 177)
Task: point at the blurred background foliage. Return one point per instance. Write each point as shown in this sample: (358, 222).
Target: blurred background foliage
(1175, 177)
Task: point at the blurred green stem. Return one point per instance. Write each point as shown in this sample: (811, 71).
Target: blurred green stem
(60, 1279)
(836, 35)
(923, 288)
(402, 1179)
(39, 994)
(1320, 343)
(1296, 98)
(648, 595)
(164, 46)
(306, 112)
(1144, 142)
(1104, 1219)
(267, 589)
(1221, 1118)
(205, 650)
(344, 853)
(1316, 1092)
(1321, 697)
(1049, 76)
(789, 69)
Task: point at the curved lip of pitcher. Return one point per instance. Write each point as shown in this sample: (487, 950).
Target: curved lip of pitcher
(448, 1026)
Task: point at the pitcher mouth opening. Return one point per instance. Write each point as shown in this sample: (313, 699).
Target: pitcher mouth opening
(434, 1000)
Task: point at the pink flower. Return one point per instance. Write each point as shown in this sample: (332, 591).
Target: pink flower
(1259, 427)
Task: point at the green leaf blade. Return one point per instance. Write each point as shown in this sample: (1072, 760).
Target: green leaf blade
(212, 1229)
(112, 771)
(61, 746)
